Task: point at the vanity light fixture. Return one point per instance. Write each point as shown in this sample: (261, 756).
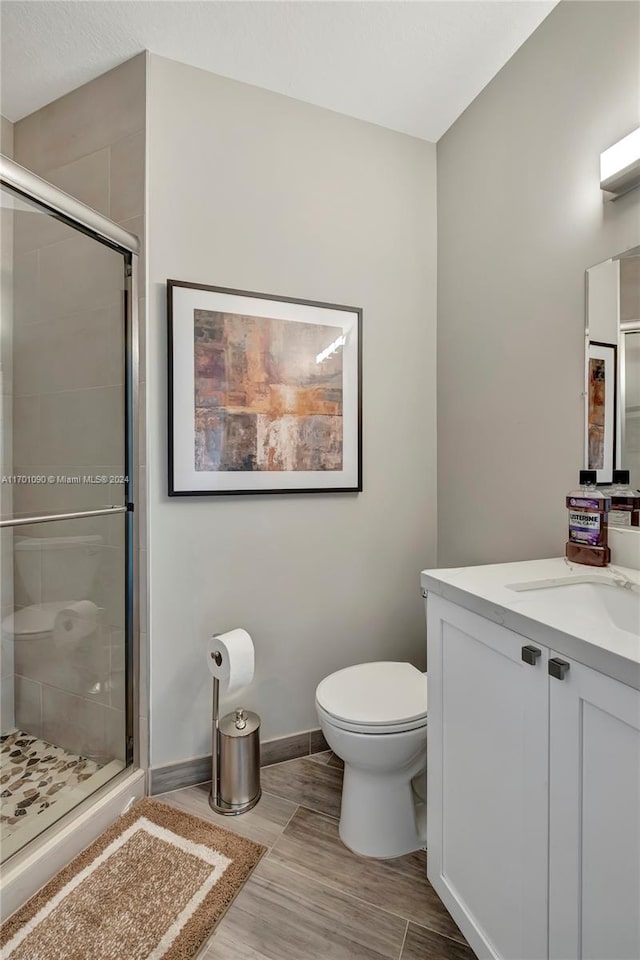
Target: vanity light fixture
(620, 166)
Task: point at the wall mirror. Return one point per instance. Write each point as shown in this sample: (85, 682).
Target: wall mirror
(612, 369)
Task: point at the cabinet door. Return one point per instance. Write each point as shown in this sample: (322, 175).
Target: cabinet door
(487, 782)
(594, 842)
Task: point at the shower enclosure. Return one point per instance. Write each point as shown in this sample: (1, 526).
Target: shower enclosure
(68, 579)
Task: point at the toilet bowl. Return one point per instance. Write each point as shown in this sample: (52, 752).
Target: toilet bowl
(374, 717)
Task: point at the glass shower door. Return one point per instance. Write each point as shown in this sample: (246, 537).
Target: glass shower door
(66, 536)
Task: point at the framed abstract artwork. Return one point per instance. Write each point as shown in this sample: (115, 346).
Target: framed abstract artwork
(600, 441)
(265, 393)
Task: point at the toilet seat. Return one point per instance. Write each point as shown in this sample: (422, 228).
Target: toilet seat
(374, 698)
(34, 622)
(371, 730)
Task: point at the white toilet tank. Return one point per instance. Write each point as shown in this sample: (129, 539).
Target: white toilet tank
(58, 568)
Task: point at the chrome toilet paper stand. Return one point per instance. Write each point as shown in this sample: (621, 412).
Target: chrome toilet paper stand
(215, 800)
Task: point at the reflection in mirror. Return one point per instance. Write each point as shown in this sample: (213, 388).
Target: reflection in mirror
(613, 331)
(630, 365)
(631, 435)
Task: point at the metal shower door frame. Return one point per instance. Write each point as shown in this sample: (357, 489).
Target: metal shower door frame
(22, 182)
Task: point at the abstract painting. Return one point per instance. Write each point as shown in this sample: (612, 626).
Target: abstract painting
(601, 406)
(273, 393)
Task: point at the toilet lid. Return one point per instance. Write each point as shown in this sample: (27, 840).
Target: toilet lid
(33, 621)
(381, 694)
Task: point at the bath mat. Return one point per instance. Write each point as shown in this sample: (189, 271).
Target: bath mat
(151, 887)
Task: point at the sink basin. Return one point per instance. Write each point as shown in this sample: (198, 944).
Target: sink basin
(603, 602)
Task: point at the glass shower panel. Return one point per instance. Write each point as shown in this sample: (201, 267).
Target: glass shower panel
(68, 367)
(67, 629)
(65, 582)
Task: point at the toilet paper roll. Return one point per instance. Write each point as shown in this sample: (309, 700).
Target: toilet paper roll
(236, 656)
(76, 621)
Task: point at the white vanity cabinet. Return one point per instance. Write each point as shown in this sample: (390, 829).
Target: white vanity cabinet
(533, 836)
(594, 817)
(487, 783)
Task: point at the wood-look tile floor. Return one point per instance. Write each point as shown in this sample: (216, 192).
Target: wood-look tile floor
(312, 899)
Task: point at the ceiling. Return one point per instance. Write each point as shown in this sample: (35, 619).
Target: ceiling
(410, 65)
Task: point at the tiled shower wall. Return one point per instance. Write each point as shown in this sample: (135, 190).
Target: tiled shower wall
(68, 397)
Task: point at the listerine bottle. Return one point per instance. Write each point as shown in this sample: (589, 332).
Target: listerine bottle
(588, 508)
(625, 502)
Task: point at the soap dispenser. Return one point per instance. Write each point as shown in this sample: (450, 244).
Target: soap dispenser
(588, 509)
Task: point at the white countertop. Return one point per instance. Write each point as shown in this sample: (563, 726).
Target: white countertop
(484, 590)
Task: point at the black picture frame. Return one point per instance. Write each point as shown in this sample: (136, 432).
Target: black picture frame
(601, 427)
(202, 310)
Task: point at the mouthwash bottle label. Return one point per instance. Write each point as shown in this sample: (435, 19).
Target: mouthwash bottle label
(586, 503)
(585, 527)
(621, 515)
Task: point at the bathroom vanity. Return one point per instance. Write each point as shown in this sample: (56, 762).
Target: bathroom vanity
(533, 781)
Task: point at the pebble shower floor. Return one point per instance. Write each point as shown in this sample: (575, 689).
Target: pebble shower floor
(32, 774)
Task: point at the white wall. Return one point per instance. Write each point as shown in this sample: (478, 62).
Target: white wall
(253, 190)
(520, 218)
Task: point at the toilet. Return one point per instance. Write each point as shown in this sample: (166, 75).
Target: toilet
(374, 717)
